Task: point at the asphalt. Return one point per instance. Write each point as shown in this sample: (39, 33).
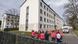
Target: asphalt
(70, 38)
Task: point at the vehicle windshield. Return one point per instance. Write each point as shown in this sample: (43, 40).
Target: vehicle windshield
(65, 28)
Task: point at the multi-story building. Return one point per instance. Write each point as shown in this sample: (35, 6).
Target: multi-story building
(9, 21)
(36, 15)
(59, 22)
(0, 23)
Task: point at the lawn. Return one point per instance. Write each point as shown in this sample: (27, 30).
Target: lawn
(21, 33)
(76, 32)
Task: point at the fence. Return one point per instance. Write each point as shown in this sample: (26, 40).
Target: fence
(10, 38)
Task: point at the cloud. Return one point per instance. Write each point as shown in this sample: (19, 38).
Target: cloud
(7, 4)
(57, 5)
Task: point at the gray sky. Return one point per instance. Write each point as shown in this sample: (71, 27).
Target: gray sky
(57, 5)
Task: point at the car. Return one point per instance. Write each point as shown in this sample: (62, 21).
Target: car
(65, 30)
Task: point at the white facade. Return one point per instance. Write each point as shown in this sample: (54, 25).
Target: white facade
(0, 23)
(59, 22)
(9, 21)
(36, 15)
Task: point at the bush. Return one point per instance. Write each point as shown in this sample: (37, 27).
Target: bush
(10, 29)
(22, 33)
(76, 32)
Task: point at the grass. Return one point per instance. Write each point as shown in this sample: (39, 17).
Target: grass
(76, 32)
(21, 33)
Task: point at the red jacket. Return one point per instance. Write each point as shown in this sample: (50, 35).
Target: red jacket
(53, 34)
(42, 36)
(33, 33)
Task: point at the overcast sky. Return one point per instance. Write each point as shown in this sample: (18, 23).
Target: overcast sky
(57, 5)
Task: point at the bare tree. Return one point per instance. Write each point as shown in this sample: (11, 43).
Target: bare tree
(72, 10)
(12, 11)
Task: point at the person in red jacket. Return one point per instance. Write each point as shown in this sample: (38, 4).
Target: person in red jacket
(33, 34)
(39, 32)
(53, 35)
(42, 36)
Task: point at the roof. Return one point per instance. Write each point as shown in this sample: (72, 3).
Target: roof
(52, 9)
(48, 6)
(11, 14)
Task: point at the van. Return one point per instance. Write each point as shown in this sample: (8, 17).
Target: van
(65, 29)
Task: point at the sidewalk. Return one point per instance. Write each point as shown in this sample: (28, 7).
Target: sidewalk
(71, 38)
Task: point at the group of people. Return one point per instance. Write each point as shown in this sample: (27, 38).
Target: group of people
(55, 35)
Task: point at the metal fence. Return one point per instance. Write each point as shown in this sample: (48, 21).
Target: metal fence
(7, 38)
(10, 38)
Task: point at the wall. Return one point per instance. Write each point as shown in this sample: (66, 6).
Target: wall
(33, 16)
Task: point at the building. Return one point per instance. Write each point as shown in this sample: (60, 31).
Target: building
(9, 21)
(36, 15)
(0, 23)
(59, 22)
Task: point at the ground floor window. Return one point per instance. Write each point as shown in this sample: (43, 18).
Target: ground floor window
(40, 25)
(0, 23)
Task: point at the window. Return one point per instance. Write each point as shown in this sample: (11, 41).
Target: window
(0, 22)
(11, 20)
(11, 23)
(44, 19)
(26, 27)
(44, 7)
(50, 21)
(47, 20)
(8, 16)
(41, 11)
(40, 18)
(40, 25)
(44, 13)
(26, 20)
(47, 9)
(47, 26)
(27, 14)
(44, 26)
(8, 20)
(27, 10)
(6, 26)
(40, 4)
(51, 16)
(47, 14)
(7, 23)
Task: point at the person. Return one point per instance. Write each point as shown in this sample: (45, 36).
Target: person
(58, 37)
(33, 34)
(36, 34)
(39, 32)
(53, 35)
(42, 36)
(62, 35)
(46, 35)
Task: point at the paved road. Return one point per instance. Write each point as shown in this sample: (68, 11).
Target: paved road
(70, 38)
